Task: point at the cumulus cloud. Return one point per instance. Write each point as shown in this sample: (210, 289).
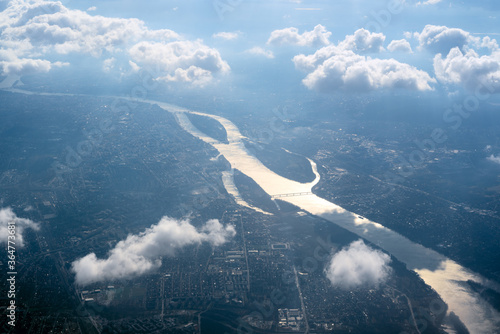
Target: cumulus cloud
(138, 254)
(49, 25)
(457, 61)
(358, 265)
(311, 62)
(8, 216)
(23, 66)
(489, 43)
(290, 36)
(363, 41)
(469, 69)
(192, 74)
(345, 67)
(333, 69)
(36, 32)
(441, 39)
(257, 50)
(226, 35)
(495, 159)
(183, 61)
(400, 45)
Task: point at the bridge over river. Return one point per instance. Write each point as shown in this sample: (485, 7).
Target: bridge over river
(292, 194)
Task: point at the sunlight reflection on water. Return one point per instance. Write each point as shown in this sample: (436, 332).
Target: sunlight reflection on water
(445, 276)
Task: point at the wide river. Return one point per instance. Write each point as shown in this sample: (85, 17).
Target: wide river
(445, 276)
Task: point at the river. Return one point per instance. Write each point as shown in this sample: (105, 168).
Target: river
(444, 275)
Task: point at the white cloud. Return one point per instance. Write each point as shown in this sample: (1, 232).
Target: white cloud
(311, 62)
(192, 74)
(134, 67)
(37, 32)
(340, 67)
(456, 61)
(333, 69)
(108, 64)
(290, 36)
(489, 43)
(49, 26)
(400, 45)
(226, 35)
(22, 66)
(8, 216)
(182, 61)
(358, 265)
(469, 69)
(363, 41)
(428, 2)
(92, 9)
(346, 67)
(138, 254)
(495, 159)
(441, 39)
(257, 50)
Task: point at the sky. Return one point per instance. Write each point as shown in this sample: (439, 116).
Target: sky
(319, 47)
